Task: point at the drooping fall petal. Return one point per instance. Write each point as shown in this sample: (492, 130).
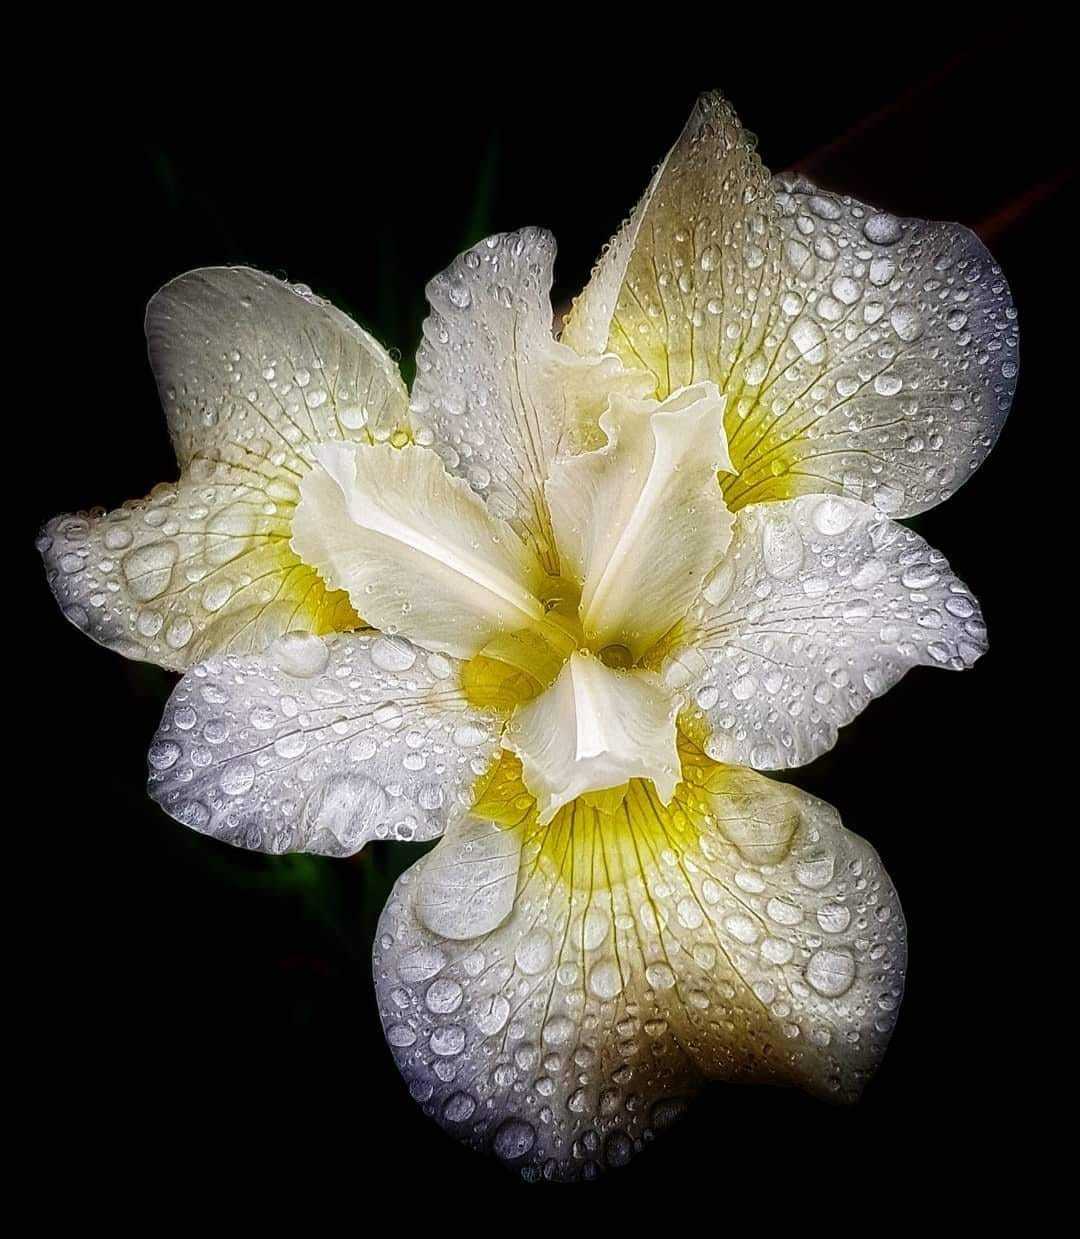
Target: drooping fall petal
(320, 745)
(820, 605)
(253, 374)
(859, 353)
(740, 934)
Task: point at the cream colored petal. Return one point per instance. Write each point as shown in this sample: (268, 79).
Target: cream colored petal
(495, 393)
(890, 368)
(199, 566)
(243, 358)
(320, 746)
(592, 730)
(740, 935)
(415, 547)
(253, 373)
(820, 605)
(641, 521)
(860, 354)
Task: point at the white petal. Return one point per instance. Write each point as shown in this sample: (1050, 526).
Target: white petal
(243, 358)
(641, 521)
(252, 374)
(319, 746)
(592, 730)
(645, 953)
(494, 390)
(415, 547)
(820, 605)
(197, 567)
(860, 353)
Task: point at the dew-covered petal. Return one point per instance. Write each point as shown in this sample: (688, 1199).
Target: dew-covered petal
(415, 547)
(199, 566)
(820, 605)
(890, 369)
(641, 521)
(253, 373)
(497, 395)
(243, 358)
(741, 935)
(319, 745)
(860, 353)
(592, 730)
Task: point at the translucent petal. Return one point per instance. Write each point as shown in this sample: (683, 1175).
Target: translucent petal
(415, 548)
(641, 521)
(495, 392)
(742, 934)
(592, 730)
(253, 373)
(320, 745)
(859, 353)
(820, 605)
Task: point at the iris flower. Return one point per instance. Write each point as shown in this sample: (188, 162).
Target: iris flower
(559, 608)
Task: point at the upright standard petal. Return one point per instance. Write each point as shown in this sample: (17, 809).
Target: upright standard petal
(593, 730)
(820, 605)
(415, 548)
(253, 373)
(641, 521)
(860, 353)
(741, 934)
(495, 392)
(320, 746)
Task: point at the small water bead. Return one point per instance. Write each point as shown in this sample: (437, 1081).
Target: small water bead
(660, 976)
(834, 918)
(534, 953)
(459, 1107)
(300, 654)
(237, 778)
(164, 754)
(148, 569)
(448, 1041)
(833, 516)
(883, 229)
(491, 1015)
(830, 972)
(443, 996)
(514, 1139)
(393, 653)
(906, 322)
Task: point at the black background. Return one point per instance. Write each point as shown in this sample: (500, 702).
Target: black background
(208, 1011)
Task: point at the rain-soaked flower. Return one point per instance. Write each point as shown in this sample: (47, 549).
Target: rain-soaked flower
(559, 608)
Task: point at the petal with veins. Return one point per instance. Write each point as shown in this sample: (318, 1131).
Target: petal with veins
(320, 746)
(494, 390)
(820, 605)
(741, 934)
(860, 353)
(243, 358)
(196, 567)
(641, 521)
(415, 548)
(253, 373)
(592, 730)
